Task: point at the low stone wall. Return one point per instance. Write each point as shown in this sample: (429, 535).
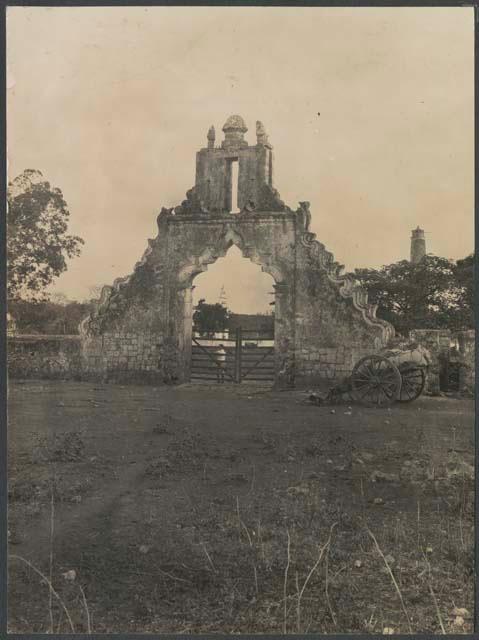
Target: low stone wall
(324, 367)
(130, 357)
(150, 358)
(40, 356)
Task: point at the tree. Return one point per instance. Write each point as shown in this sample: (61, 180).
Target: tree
(37, 241)
(465, 279)
(210, 318)
(427, 295)
(47, 317)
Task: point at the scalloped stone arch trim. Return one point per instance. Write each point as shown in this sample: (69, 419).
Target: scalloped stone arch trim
(218, 249)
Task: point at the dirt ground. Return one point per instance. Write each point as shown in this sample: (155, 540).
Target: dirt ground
(236, 509)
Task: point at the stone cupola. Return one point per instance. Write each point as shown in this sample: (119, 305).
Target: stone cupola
(234, 129)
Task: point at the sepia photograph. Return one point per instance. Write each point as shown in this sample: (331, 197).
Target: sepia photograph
(240, 320)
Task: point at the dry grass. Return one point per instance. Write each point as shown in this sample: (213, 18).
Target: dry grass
(52, 592)
(259, 532)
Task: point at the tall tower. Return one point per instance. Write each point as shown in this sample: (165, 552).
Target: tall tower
(418, 245)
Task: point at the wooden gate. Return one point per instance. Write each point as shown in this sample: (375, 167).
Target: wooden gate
(249, 357)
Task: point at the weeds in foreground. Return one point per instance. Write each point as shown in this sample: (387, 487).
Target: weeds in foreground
(309, 576)
(232, 569)
(48, 581)
(63, 446)
(388, 567)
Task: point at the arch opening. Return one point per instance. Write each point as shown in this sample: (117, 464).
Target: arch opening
(248, 288)
(232, 304)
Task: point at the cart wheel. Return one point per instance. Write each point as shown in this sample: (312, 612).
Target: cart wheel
(413, 381)
(376, 381)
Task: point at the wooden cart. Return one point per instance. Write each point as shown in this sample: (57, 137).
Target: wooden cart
(380, 380)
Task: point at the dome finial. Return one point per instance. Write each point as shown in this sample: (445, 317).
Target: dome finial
(234, 129)
(235, 123)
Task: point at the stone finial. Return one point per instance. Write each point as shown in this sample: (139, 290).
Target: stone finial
(234, 129)
(303, 215)
(211, 137)
(261, 135)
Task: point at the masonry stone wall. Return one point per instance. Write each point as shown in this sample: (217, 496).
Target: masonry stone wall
(116, 357)
(323, 322)
(144, 357)
(324, 367)
(39, 356)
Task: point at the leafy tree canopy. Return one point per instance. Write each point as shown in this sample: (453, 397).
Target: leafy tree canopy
(465, 279)
(38, 244)
(47, 317)
(210, 318)
(436, 293)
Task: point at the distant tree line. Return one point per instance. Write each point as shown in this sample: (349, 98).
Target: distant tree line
(436, 293)
(47, 317)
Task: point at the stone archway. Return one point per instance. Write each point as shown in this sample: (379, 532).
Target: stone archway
(141, 327)
(256, 241)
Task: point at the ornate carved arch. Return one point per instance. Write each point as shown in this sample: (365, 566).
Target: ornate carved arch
(218, 247)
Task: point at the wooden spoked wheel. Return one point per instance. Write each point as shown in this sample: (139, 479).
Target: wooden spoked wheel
(375, 381)
(413, 381)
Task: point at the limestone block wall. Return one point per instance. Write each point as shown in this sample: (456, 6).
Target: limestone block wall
(129, 357)
(40, 356)
(112, 357)
(324, 367)
(335, 326)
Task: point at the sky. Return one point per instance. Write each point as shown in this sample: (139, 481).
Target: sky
(370, 112)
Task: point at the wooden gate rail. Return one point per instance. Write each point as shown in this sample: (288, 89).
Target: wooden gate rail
(213, 359)
(258, 362)
(250, 361)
